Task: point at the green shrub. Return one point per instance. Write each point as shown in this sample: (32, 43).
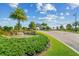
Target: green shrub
(22, 46)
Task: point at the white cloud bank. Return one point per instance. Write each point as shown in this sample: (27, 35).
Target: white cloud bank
(74, 5)
(43, 8)
(49, 17)
(13, 5)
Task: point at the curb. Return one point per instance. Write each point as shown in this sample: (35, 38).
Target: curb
(66, 45)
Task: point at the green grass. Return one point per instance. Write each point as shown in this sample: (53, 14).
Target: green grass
(57, 48)
(22, 46)
(19, 36)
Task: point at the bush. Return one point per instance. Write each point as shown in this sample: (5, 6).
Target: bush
(22, 46)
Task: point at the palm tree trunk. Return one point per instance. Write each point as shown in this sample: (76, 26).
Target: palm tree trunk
(18, 25)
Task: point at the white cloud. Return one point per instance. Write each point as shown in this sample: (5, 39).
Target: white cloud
(39, 6)
(31, 5)
(26, 10)
(74, 5)
(45, 7)
(67, 13)
(55, 21)
(49, 17)
(62, 14)
(28, 16)
(41, 12)
(67, 7)
(62, 17)
(49, 7)
(33, 16)
(7, 22)
(14, 5)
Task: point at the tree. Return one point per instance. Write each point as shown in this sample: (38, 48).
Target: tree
(6, 28)
(43, 26)
(57, 28)
(16, 26)
(75, 25)
(32, 25)
(24, 28)
(69, 27)
(61, 27)
(48, 28)
(0, 28)
(18, 15)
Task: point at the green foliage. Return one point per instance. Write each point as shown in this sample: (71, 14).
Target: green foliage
(69, 27)
(57, 28)
(61, 27)
(6, 28)
(18, 15)
(16, 26)
(57, 48)
(75, 25)
(32, 25)
(22, 46)
(44, 26)
(24, 28)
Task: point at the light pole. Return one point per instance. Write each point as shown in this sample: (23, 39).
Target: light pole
(75, 24)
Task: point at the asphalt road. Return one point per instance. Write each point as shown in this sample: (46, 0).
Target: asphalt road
(70, 39)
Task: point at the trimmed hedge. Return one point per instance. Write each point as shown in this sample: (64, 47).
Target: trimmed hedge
(22, 46)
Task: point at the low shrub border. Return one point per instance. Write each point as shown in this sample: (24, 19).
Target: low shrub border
(22, 46)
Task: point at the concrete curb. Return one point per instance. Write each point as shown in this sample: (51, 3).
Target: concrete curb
(63, 43)
(66, 45)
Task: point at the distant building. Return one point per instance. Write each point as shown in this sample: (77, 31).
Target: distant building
(38, 26)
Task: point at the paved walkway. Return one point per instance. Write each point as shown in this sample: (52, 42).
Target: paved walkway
(71, 39)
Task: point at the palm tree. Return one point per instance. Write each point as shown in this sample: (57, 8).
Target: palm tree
(18, 15)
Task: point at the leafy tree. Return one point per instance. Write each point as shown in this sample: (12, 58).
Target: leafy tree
(24, 28)
(48, 28)
(44, 26)
(18, 15)
(75, 25)
(16, 26)
(6, 28)
(61, 27)
(69, 27)
(0, 28)
(57, 28)
(32, 25)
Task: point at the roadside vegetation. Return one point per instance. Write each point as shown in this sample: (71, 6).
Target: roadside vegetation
(57, 48)
(23, 46)
(74, 27)
(19, 40)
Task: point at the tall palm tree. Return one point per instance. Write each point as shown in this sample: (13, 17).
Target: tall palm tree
(18, 15)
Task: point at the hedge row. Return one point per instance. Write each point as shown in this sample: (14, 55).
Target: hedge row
(22, 46)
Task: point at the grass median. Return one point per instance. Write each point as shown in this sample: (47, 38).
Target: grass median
(57, 48)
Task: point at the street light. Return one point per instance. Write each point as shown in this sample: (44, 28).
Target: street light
(75, 24)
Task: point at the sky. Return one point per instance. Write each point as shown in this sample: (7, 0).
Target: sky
(54, 14)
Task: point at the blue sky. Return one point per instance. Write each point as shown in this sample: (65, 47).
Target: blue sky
(54, 14)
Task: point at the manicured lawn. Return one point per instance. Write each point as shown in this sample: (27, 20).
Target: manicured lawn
(19, 36)
(22, 46)
(57, 48)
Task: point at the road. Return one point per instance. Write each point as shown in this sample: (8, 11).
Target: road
(70, 39)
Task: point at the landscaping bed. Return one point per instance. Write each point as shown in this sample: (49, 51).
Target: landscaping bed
(22, 46)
